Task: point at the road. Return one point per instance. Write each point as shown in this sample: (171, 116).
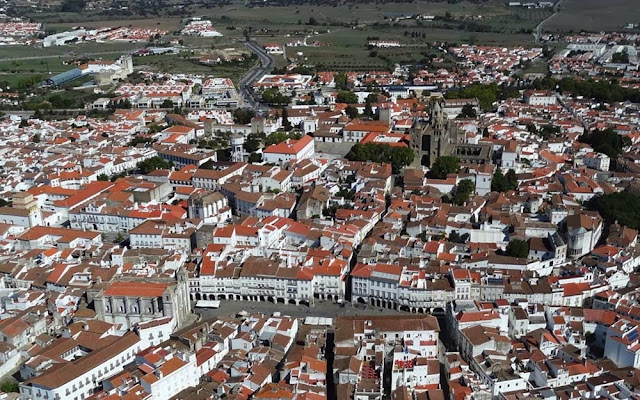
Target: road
(538, 29)
(246, 83)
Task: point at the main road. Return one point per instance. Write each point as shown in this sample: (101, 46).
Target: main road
(246, 83)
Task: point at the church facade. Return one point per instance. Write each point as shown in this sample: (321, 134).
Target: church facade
(439, 136)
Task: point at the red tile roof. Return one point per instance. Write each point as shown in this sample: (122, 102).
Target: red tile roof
(289, 146)
(137, 289)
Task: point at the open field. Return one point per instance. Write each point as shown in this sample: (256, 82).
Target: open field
(593, 15)
(165, 23)
(21, 63)
(53, 65)
(179, 63)
(77, 50)
(362, 13)
(346, 48)
(13, 81)
(296, 17)
(491, 22)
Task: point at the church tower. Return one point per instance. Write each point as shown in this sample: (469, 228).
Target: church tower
(430, 140)
(26, 201)
(237, 150)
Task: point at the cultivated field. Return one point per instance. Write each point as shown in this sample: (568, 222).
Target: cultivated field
(165, 23)
(350, 28)
(185, 64)
(594, 15)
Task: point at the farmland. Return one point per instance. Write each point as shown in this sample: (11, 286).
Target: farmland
(169, 23)
(19, 64)
(186, 64)
(343, 31)
(593, 15)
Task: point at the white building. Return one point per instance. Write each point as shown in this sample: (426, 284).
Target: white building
(285, 152)
(622, 345)
(597, 161)
(176, 373)
(211, 207)
(539, 98)
(81, 377)
(583, 233)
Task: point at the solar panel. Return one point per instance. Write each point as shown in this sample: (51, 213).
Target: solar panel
(633, 334)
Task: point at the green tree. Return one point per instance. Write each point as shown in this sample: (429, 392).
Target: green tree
(74, 6)
(501, 183)
(512, 180)
(605, 90)
(154, 163)
(10, 387)
(464, 190)
(468, 111)
(274, 96)
(621, 57)
(167, 104)
(278, 137)
(368, 110)
(253, 143)
(255, 158)
(605, 141)
(548, 131)
(341, 81)
(623, 207)
(498, 182)
(140, 139)
(346, 96)
(352, 112)
(36, 138)
(103, 178)
(222, 155)
(517, 248)
(286, 124)
(485, 94)
(243, 116)
(444, 166)
(398, 157)
(456, 237)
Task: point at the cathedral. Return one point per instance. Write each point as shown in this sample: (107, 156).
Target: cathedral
(440, 137)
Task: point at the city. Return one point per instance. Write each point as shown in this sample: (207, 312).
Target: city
(308, 200)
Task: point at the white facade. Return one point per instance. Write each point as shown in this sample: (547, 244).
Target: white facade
(289, 150)
(540, 98)
(167, 386)
(86, 381)
(597, 161)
